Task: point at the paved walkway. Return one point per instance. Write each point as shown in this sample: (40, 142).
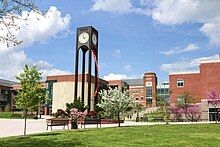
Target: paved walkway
(14, 127)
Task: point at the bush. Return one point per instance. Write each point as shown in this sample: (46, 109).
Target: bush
(16, 115)
(7, 108)
(5, 114)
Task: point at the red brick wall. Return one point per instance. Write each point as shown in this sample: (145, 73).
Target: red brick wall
(117, 83)
(137, 92)
(210, 75)
(71, 78)
(197, 84)
(151, 77)
(191, 85)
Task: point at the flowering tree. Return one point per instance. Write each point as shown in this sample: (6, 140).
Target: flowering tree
(76, 115)
(9, 14)
(184, 101)
(214, 99)
(114, 101)
(176, 112)
(193, 112)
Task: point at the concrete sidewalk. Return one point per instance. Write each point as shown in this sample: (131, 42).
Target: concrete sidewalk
(15, 127)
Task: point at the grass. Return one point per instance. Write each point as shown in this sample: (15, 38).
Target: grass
(157, 135)
(11, 115)
(5, 115)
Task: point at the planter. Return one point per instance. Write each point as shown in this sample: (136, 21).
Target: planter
(74, 125)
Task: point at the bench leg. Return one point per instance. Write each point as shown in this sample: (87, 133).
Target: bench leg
(51, 127)
(47, 126)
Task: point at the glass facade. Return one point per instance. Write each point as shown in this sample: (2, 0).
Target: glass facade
(4, 98)
(149, 94)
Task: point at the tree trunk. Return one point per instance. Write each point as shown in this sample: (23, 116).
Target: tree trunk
(39, 110)
(216, 116)
(186, 114)
(137, 119)
(119, 123)
(25, 122)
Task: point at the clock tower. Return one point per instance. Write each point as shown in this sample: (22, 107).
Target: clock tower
(87, 42)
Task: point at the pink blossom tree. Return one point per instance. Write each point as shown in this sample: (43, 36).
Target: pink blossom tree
(76, 116)
(213, 97)
(193, 112)
(176, 112)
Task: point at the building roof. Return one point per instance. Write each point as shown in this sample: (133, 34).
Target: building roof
(7, 83)
(184, 72)
(210, 61)
(134, 82)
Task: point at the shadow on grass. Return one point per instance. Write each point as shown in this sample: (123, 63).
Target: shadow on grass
(32, 142)
(46, 134)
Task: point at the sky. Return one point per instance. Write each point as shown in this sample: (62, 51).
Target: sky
(135, 36)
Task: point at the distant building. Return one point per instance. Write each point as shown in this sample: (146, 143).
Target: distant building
(143, 91)
(6, 94)
(163, 90)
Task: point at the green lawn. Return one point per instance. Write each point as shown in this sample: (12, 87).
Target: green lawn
(157, 135)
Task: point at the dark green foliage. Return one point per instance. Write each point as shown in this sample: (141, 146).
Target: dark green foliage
(77, 103)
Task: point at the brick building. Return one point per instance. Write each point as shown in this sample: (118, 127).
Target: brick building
(143, 91)
(6, 94)
(197, 84)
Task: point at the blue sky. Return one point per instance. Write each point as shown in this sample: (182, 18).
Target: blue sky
(132, 38)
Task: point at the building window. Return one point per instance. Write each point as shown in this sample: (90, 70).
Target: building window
(149, 91)
(137, 99)
(180, 83)
(142, 98)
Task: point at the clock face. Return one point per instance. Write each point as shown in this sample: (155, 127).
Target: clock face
(83, 37)
(94, 39)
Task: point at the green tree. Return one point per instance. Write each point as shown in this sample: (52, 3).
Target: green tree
(114, 101)
(31, 94)
(184, 101)
(164, 105)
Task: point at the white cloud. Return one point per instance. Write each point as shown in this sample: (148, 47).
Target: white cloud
(127, 67)
(176, 12)
(186, 64)
(113, 76)
(177, 50)
(171, 12)
(37, 28)
(212, 31)
(115, 6)
(117, 53)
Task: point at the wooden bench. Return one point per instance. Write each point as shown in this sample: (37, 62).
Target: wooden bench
(57, 122)
(159, 119)
(88, 120)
